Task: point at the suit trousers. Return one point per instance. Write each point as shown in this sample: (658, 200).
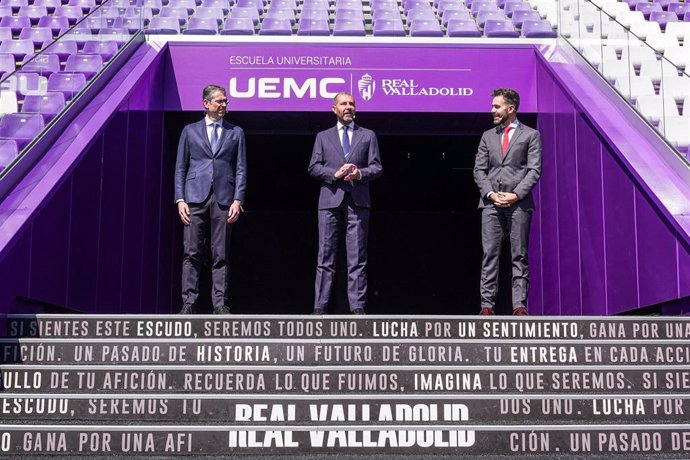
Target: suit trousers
(497, 224)
(354, 221)
(207, 218)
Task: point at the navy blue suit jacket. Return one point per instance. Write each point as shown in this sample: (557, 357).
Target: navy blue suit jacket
(327, 157)
(198, 168)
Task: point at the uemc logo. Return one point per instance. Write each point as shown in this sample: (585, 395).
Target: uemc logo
(28, 85)
(285, 88)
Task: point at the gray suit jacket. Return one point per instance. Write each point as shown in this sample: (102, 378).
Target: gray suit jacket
(517, 172)
(327, 157)
(198, 168)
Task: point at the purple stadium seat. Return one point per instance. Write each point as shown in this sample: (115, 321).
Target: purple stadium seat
(19, 48)
(5, 11)
(137, 13)
(38, 35)
(317, 5)
(314, 27)
(499, 28)
(238, 26)
(663, 18)
(155, 5)
(538, 29)
(647, 8)
(679, 8)
(686, 16)
(389, 28)
(485, 15)
(48, 105)
(315, 15)
(87, 64)
(42, 64)
(462, 28)
(117, 34)
(85, 5)
(106, 49)
(256, 4)
(283, 5)
(50, 5)
(512, 6)
(349, 15)
(179, 13)
(519, 17)
(80, 36)
(633, 3)
(8, 152)
(7, 63)
(421, 14)
(14, 4)
(61, 48)
(67, 83)
(450, 5)
(22, 127)
(33, 12)
(416, 5)
(281, 14)
(209, 12)
(29, 83)
(488, 5)
(222, 4)
(55, 23)
(348, 5)
(16, 23)
(201, 26)
(163, 25)
(5, 33)
(349, 28)
(189, 4)
(455, 14)
(72, 13)
(245, 12)
(277, 26)
(424, 28)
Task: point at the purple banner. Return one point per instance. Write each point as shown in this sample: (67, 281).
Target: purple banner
(297, 77)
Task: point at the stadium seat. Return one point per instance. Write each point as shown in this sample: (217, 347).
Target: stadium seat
(37, 35)
(660, 41)
(238, 26)
(455, 14)
(8, 152)
(85, 5)
(613, 8)
(245, 12)
(487, 5)
(50, 5)
(155, 5)
(538, 29)
(462, 28)
(643, 29)
(675, 86)
(450, 5)
(15, 23)
(349, 28)
(321, 14)
(224, 5)
(314, 27)
(55, 23)
(22, 127)
(640, 53)
(163, 25)
(647, 8)
(256, 4)
(633, 87)
(201, 26)
(512, 6)
(519, 17)
(676, 130)
(680, 30)
(349, 14)
(209, 12)
(48, 105)
(42, 64)
(422, 14)
(627, 19)
(34, 13)
(678, 56)
(14, 4)
(484, 15)
(190, 5)
(389, 28)
(281, 14)
(61, 48)
(69, 84)
(283, 5)
(680, 8)
(654, 107)
(8, 64)
(72, 13)
(424, 28)
(106, 49)
(86, 64)
(277, 26)
(19, 48)
(499, 28)
(179, 13)
(663, 18)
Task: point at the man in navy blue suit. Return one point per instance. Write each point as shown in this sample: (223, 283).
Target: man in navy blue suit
(345, 159)
(210, 181)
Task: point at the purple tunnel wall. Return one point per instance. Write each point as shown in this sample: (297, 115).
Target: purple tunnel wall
(104, 240)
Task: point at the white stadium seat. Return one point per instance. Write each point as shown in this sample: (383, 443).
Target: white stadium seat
(677, 131)
(654, 108)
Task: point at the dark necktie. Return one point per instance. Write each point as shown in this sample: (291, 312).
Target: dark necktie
(214, 137)
(506, 140)
(346, 142)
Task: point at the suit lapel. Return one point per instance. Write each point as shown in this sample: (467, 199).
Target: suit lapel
(356, 137)
(204, 136)
(224, 136)
(513, 139)
(335, 140)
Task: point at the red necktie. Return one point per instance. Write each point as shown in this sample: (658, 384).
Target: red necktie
(506, 140)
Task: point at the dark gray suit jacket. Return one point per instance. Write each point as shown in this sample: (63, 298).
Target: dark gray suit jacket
(327, 157)
(517, 172)
(198, 168)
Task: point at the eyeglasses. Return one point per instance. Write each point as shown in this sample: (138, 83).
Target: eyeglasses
(219, 101)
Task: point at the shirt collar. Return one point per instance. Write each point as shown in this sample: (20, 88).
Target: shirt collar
(349, 126)
(208, 121)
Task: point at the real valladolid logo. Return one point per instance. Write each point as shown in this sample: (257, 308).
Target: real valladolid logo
(366, 86)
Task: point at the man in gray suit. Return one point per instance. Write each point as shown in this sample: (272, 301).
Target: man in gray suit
(345, 159)
(507, 166)
(210, 180)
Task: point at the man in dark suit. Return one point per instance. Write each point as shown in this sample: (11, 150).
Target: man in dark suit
(345, 159)
(210, 180)
(507, 166)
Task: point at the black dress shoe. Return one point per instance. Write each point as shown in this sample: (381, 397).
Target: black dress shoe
(319, 311)
(222, 310)
(186, 310)
(358, 311)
